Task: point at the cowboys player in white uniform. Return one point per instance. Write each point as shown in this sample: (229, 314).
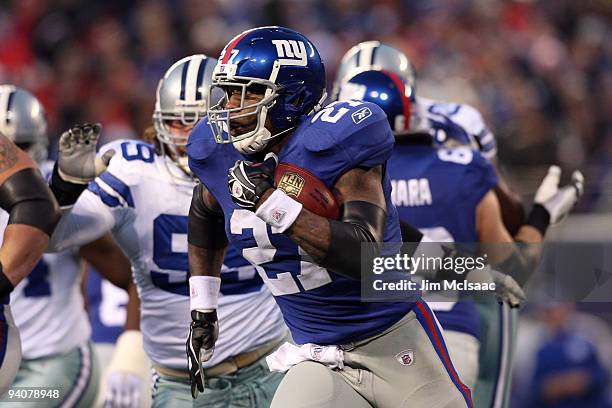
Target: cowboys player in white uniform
(143, 198)
(48, 305)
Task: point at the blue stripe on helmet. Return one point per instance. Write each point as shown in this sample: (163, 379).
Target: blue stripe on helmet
(184, 80)
(201, 70)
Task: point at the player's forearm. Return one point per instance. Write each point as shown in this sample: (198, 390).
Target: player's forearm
(312, 233)
(204, 261)
(22, 248)
(513, 213)
(329, 241)
(109, 260)
(132, 317)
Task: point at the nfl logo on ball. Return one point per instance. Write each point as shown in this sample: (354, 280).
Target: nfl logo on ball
(291, 184)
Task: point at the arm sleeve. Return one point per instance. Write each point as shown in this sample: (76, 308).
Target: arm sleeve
(85, 222)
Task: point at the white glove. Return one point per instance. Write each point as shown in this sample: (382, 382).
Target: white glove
(559, 202)
(122, 390)
(507, 289)
(77, 161)
(124, 379)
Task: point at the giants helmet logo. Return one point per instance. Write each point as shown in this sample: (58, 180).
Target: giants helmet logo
(291, 52)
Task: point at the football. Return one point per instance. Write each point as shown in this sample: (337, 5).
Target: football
(307, 189)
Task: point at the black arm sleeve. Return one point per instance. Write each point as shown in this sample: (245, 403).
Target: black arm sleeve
(361, 222)
(206, 227)
(6, 287)
(65, 193)
(28, 200)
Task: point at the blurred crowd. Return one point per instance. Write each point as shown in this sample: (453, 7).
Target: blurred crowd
(540, 71)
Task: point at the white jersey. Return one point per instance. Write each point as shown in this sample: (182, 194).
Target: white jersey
(144, 199)
(459, 122)
(48, 305)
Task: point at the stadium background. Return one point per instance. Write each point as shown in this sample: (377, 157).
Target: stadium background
(540, 71)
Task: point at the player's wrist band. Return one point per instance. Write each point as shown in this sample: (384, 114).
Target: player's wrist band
(279, 210)
(65, 192)
(539, 218)
(6, 287)
(204, 292)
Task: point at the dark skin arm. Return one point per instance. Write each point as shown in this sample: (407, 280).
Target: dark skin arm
(511, 206)
(312, 232)
(204, 261)
(23, 245)
(108, 259)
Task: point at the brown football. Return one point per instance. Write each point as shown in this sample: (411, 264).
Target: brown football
(307, 189)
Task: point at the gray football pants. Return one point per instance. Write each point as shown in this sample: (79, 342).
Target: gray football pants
(407, 365)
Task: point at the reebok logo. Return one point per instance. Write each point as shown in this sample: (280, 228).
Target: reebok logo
(361, 115)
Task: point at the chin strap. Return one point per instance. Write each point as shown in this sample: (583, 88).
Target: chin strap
(249, 146)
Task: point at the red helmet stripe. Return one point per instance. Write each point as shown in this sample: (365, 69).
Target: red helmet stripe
(231, 45)
(405, 101)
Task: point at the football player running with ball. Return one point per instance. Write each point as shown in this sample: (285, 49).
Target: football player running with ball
(273, 81)
(143, 198)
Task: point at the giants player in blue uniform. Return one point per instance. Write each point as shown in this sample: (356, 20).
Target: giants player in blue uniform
(274, 82)
(448, 194)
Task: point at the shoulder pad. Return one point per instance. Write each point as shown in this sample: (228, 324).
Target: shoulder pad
(359, 129)
(201, 142)
(131, 158)
(480, 176)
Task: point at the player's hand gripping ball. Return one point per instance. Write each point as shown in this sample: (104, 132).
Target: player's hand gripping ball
(249, 181)
(306, 188)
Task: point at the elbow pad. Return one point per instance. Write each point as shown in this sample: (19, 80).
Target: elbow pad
(206, 227)
(28, 200)
(361, 222)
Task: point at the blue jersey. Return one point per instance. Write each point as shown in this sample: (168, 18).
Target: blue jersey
(564, 353)
(437, 191)
(319, 306)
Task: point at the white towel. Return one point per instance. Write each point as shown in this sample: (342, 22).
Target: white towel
(289, 355)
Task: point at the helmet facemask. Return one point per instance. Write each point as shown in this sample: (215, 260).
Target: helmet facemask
(171, 142)
(222, 119)
(181, 101)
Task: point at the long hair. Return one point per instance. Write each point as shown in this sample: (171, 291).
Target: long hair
(150, 136)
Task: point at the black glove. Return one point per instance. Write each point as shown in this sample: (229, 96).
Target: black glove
(247, 181)
(203, 333)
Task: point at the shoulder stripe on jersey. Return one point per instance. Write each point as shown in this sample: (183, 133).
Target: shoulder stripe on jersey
(119, 186)
(106, 198)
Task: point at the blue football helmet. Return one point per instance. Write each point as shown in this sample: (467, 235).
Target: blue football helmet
(277, 62)
(374, 55)
(387, 90)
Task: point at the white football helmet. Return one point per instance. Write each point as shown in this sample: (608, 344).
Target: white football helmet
(23, 120)
(182, 95)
